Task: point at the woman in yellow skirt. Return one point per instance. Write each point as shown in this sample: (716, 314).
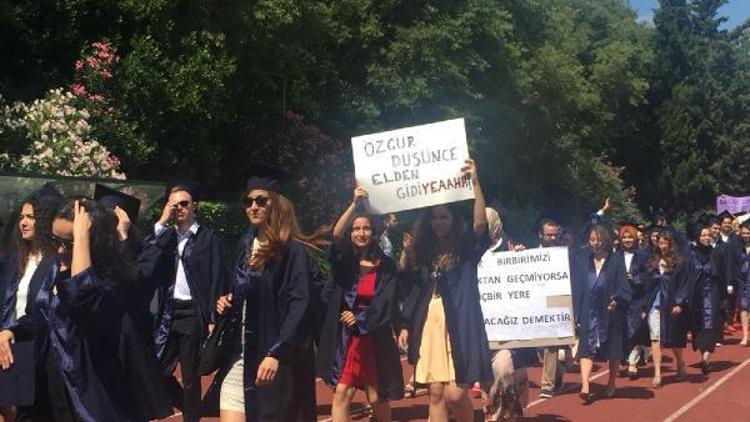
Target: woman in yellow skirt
(442, 319)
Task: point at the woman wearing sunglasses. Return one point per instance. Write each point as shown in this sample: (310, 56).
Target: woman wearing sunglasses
(271, 373)
(357, 349)
(26, 270)
(83, 323)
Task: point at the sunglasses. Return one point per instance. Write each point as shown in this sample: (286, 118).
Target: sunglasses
(182, 204)
(261, 201)
(59, 241)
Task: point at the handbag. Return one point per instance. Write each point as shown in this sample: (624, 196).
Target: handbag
(217, 347)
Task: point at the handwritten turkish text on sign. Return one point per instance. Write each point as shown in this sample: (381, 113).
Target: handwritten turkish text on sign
(413, 167)
(515, 290)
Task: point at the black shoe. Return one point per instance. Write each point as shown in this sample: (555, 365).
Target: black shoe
(587, 398)
(633, 375)
(705, 367)
(546, 393)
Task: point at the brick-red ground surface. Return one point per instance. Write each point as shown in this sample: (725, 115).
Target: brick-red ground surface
(635, 400)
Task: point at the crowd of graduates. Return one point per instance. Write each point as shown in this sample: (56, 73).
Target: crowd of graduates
(100, 315)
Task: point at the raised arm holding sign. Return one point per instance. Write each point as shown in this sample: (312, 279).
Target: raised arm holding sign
(442, 318)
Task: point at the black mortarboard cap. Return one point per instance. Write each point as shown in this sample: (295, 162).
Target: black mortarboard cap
(111, 198)
(725, 214)
(49, 198)
(266, 177)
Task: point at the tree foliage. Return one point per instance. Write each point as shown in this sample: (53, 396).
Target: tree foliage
(566, 102)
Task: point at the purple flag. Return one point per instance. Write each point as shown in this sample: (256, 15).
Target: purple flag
(733, 204)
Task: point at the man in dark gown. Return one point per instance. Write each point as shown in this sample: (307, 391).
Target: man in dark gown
(189, 276)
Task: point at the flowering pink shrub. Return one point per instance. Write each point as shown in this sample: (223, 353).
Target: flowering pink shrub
(60, 139)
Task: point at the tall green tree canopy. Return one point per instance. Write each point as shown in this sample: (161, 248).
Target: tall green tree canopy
(567, 102)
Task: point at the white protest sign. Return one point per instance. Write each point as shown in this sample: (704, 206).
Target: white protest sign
(515, 290)
(413, 167)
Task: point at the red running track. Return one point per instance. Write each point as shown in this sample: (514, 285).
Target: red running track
(722, 395)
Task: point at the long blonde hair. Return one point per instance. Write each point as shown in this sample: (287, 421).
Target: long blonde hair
(280, 227)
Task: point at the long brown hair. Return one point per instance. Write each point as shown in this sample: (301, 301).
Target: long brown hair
(604, 237)
(672, 258)
(280, 227)
(41, 242)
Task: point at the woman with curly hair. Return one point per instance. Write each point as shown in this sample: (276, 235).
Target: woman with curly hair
(444, 326)
(26, 269)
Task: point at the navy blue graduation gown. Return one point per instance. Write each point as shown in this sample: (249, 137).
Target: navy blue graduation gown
(279, 323)
(459, 290)
(602, 332)
(204, 269)
(706, 303)
(375, 320)
(109, 373)
(637, 327)
(22, 328)
(733, 251)
(674, 288)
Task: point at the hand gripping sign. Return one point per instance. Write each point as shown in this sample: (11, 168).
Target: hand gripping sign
(413, 167)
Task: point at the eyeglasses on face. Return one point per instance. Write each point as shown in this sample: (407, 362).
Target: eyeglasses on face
(183, 204)
(59, 241)
(261, 201)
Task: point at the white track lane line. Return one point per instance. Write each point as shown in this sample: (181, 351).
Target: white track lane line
(706, 392)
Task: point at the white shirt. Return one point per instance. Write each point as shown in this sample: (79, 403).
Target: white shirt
(628, 260)
(22, 294)
(181, 286)
(386, 246)
(724, 237)
(599, 270)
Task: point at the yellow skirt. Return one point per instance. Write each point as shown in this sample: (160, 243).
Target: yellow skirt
(435, 361)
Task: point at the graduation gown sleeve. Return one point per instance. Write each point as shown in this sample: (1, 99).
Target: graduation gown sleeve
(297, 283)
(88, 325)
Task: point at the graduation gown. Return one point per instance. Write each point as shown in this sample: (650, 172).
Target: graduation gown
(674, 288)
(744, 285)
(637, 327)
(109, 373)
(204, 270)
(23, 327)
(706, 303)
(733, 251)
(602, 333)
(279, 324)
(374, 320)
(459, 290)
